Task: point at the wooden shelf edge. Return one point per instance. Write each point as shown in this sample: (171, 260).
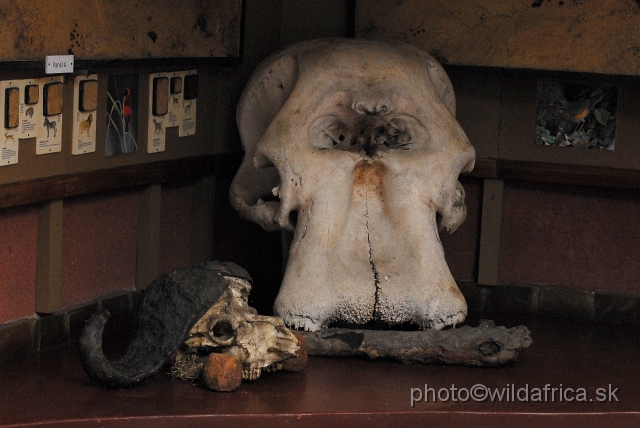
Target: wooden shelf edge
(49, 188)
(569, 174)
(484, 168)
(556, 173)
(45, 189)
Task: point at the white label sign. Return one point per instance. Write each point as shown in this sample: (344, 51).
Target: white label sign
(58, 64)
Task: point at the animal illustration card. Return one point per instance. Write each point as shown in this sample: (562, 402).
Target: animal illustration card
(9, 112)
(49, 130)
(189, 98)
(174, 114)
(122, 114)
(159, 94)
(85, 105)
(30, 110)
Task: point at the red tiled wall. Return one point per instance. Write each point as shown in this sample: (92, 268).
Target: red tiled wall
(571, 236)
(175, 228)
(98, 246)
(18, 229)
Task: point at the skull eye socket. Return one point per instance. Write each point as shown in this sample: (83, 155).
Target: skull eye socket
(222, 331)
(329, 132)
(394, 135)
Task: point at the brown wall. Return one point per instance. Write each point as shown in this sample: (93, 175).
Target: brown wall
(175, 227)
(570, 236)
(98, 246)
(17, 262)
(595, 36)
(577, 237)
(119, 29)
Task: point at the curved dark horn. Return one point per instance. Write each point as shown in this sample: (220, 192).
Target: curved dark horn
(170, 306)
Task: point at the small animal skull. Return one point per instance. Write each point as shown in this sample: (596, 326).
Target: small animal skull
(232, 327)
(353, 146)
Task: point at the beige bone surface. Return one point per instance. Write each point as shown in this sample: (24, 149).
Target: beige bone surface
(234, 328)
(359, 139)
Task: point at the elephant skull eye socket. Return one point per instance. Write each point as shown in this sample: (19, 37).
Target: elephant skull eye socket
(329, 132)
(393, 135)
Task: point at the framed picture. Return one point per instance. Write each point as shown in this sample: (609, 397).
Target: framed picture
(576, 115)
(122, 114)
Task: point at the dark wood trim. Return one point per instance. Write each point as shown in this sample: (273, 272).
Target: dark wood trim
(556, 173)
(569, 174)
(148, 243)
(202, 218)
(484, 168)
(49, 257)
(490, 231)
(46, 189)
(195, 168)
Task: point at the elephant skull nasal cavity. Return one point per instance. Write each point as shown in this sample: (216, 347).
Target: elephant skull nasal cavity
(371, 108)
(358, 143)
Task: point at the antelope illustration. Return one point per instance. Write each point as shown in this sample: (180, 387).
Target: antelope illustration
(9, 137)
(85, 126)
(158, 127)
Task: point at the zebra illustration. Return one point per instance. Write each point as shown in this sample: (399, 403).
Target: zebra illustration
(50, 125)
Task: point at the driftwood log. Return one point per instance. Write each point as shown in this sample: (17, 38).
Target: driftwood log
(485, 345)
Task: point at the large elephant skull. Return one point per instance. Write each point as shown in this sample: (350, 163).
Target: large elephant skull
(353, 145)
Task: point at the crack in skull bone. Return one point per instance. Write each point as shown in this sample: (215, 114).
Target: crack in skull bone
(343, 103)
(374, 270)
(369, 173)
(306, 226)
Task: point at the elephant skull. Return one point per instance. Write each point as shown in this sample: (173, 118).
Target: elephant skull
(353, 146)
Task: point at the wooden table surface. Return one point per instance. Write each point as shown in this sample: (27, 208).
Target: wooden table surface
(51, 390)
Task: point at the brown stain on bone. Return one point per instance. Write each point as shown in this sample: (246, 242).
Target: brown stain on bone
(369, 176)
(368, 182)
(454, 291)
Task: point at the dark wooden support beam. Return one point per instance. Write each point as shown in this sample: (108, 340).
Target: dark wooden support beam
(202, 213)
(489, 258)
(49, 257)
(148, 248)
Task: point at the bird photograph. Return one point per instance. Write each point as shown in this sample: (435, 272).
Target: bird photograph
(575, 115)
(122, 93)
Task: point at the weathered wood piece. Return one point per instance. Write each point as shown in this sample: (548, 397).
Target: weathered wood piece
(485, 345)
